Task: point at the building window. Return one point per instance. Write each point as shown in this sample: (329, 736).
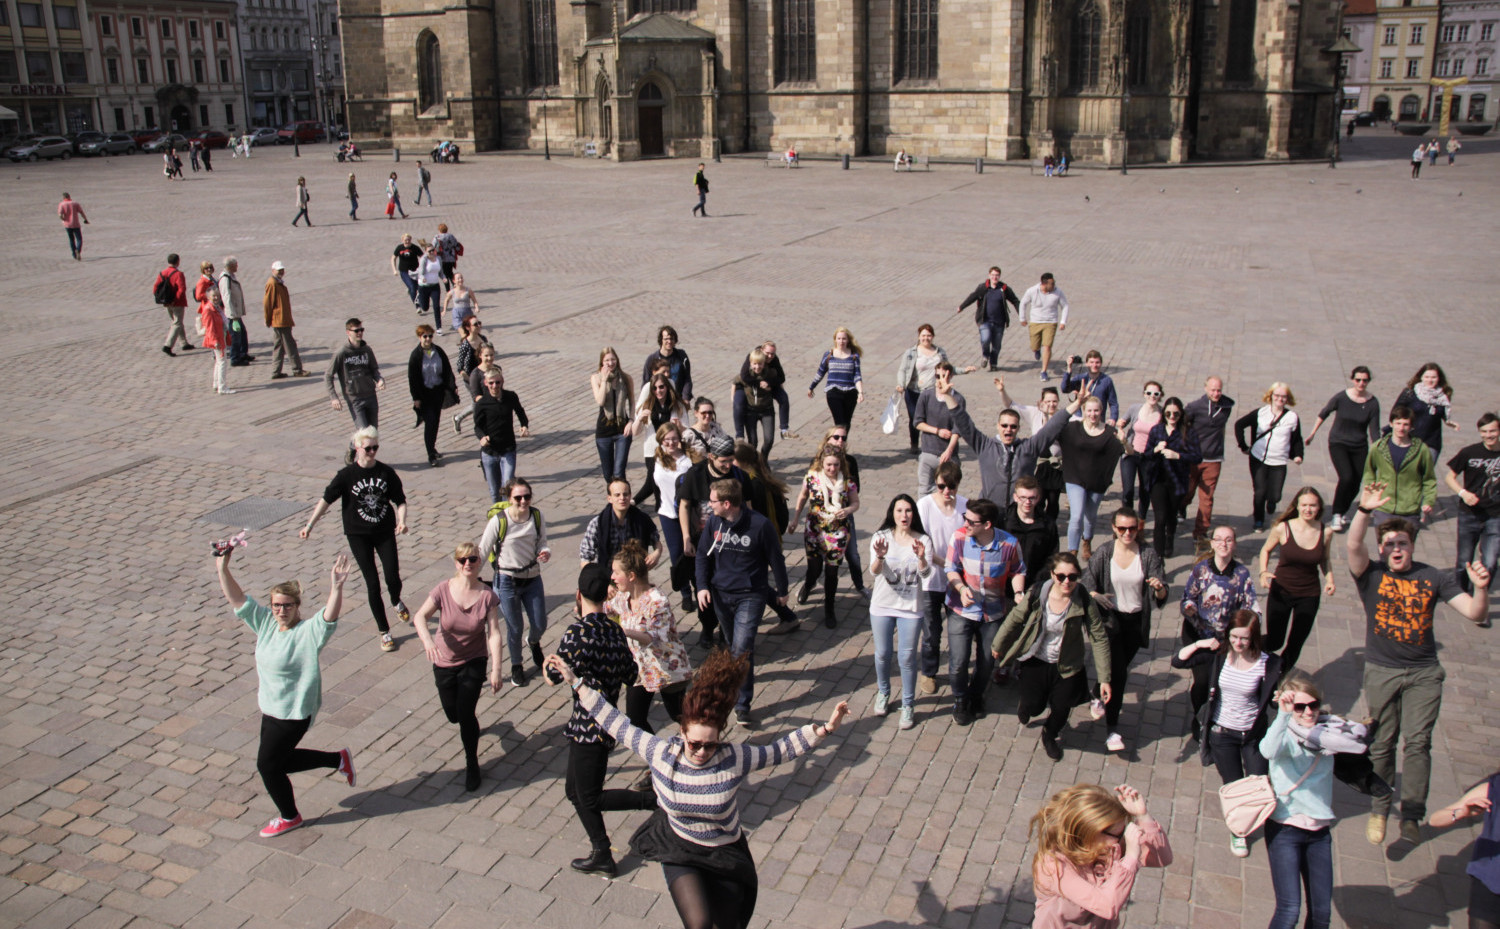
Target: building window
(796, 41)
(1448, 33)
(429, 72)
(149, 112)
(112, 70)
(338, 66)
(219, 29)
(106, 24)
(1486, 32)
(75, 69)
(263, 80)
(1239, 59)
(1413, 67)
(1458, 67)
(8, 72)
(299, 78)
(228, 114)
(166, 28)
(65, 16)
(142, 71)
(137, 28)
(198, 72)
(1463, 32)
(31, 15)
(1083, 47)
(203, 114)
(1138, 46)
(193, 29)
(39, 68)
(917, 41)
(4, 15)
(1442, 68)
(1388, 36)
(333, 25)
(224, 71)
(1476, 107)
(1481, 66)
(119, 119)
(541, 40)
(662, 6)
(1387, 67)
(1416, 33)
(171, 70)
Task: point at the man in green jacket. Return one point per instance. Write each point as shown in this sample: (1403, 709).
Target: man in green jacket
(1405, 466)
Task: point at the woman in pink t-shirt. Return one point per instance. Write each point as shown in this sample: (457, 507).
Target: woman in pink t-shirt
(1091, 843)
(467, 648)
(1135, 430)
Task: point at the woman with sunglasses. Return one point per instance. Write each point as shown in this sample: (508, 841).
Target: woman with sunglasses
(1293, 590)
(1299, 835)
(657, 405)
(429, 375)
(472, 342)
(1166, 475)
(830, 497)
(901, 560)
(695, 833)
(467, 648)
(1355, 426)
(1234, 719)
(838, 437)
(1044, 633)
(1270, 436)
(1089, 452)
(291, 683)
(704, 429)
(845, 388)
(1090, 845)
(1127, 581)
(645, 616)
(1135, 435)
(374, 510)
(515, 542)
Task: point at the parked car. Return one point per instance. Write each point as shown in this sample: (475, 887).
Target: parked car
(162, 142)
(16, 138)
(210, 138)
(142, 136)
(88, 135)
(48, 147)
(265, 135)
(1364, 118)
(305, 130)
(116, 143)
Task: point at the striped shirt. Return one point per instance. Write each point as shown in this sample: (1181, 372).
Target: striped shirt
(843, 373)
(1239, 706)
(701, 804)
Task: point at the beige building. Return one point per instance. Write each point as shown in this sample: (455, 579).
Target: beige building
(44, 65)
(1467, 48)
(1405, 38)
(1159, 80)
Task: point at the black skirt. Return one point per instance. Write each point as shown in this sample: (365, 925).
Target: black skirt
(655, 841)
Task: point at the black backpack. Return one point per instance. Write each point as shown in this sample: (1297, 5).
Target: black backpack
(164, 292)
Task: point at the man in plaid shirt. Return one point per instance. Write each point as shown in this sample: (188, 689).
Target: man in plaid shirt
(986, 574)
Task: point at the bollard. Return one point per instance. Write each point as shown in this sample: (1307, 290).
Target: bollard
(978, 165)
(396, 152)
(845, 160)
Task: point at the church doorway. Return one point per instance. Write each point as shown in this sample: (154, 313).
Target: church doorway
(650, 107)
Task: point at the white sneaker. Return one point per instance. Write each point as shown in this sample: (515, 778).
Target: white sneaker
(1114, 743)
(1337, 522)
(907, 718)
(1239, 847)
(881, 702)
(1096, 709)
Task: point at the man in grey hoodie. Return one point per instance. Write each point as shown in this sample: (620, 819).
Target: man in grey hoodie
(356, 374)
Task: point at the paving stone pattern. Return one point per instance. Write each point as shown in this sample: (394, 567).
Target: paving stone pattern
(128, 792)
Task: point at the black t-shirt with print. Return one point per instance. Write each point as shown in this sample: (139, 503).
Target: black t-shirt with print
(1480, 470)
(369, 495)
(1399, 609)
(408, 257)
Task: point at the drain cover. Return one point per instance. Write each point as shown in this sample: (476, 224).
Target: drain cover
(253, 512)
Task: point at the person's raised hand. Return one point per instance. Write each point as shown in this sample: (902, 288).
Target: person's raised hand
(1372, 496)
(1131, 800)
(340, 571)
(837, 717)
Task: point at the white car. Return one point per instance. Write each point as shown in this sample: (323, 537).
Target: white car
(265, 135)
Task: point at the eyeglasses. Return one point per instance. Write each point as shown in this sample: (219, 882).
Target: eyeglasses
(1009, 427)
(467, 559)
(476, 325)
(1153, 393)
(1305, 707)
(701, 746)
(1134, 527)
(372, 449)
(973, 523)
(837, 438)
(708, 414)
(1173, 414)
(520, 498)
(290, 605)
(1279, 396)
(1069, 578)
(1361, 380)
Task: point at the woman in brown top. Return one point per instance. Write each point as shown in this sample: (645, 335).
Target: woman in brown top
(467, 645)
(1294, 589)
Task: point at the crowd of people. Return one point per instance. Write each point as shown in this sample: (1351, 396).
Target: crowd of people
(1026, 598)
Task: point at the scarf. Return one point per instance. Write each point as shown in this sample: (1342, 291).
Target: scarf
(829, 489)
(1332, 735)
(616, 405)
(1432, 396)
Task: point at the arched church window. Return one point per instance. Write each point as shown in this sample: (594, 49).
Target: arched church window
(1138, 46)
(541, 40)
(1083, 47)
(429, 72)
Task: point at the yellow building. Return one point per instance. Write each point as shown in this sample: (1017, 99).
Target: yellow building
(1406, 39)
(44, 74)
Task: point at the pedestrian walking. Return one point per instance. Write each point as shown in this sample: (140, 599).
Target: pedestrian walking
(1474, 474)
(495, 416)
(845, 388)
(353, 199)
(278, 311)
(661, 660)
(355, 374)
(1453, 147)
(1216, 587)
(448, 249)
(405, 261)
(208, 160)
(985, 574)
(170, 291)
(429, 375)
(424, 177)
(700, 181)
(515, 544)
(71, 213)
(393, 199)
(1207, 417)
(429, 286)
(1416, 160)
(233, 299)
(831, 498)
(193, 150)
(290, 689)
(461, 304)
(1044, 313)
(1293, 591)
(303, 198)
(1356, 424)
(211, 325)
(1270, 437)
(991, 315)
(680, 368)
(613, 394)
(1430, 398)
(901, 556)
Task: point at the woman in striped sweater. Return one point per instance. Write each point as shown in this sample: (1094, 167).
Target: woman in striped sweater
(695, 832)
(845, 389)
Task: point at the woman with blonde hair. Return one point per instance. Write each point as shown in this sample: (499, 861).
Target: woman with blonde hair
(467, 648)
(613, 393)
(657, 405)
(645, 616)
(841, 365)
(673, 459)
(1090, 845)
(1299, 834)
(830, 498)
(1271, 436)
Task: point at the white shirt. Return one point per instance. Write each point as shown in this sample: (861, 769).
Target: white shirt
(940, 528)
(666, 483)
(1238, 706)
(429, 271)
(1273, 448)
(1038, 307)
(899, 585)
(1127, 583)
(1049, 644)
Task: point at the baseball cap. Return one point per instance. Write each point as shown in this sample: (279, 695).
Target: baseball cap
(277, 266)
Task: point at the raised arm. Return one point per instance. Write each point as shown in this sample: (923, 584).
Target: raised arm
(337, 575)
(797, 742)
(227, 583)
(1371, 498)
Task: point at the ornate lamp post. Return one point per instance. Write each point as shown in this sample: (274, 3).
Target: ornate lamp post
(1338, 50)
(546, 138)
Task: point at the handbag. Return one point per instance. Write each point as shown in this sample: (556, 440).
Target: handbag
(892, 413)
(1248, 802)
(390, 208)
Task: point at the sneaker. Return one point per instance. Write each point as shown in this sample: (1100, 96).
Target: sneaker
(1411, 831)
(169, 351)
(745, 719)
(457, 425)
(387, 644)
(961, 714)
(789, 434)
(278, 376)
(926, 685)
(1337, 522)
(1096, 711)
(402, 613)
(346, 765)
(278, 825)
(518, 675)
(1046, 376)
(301, 374)
(1375, 829)
(226, 390)
(1114, 743)
(1051, 747)
(1238, 847)
(536, 654)
(187, 347)
(908, 718)
(882, 701)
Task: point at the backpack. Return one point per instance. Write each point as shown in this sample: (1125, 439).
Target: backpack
(499, 509)
(163, 291)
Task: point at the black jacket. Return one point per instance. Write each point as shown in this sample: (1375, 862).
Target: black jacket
(1006, 294)
(1038, 541)
(414, 373)
(1263, 695)
(495, 417)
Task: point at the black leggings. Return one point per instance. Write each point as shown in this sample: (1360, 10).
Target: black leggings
(638, 704)
(587, 764)
(1043, 688)
(1349, 464)
(1280, 607)
(841, 404)
(459, 688)
(1164, 502)
(364, 548)
(648, 486)
(1202, 673)
(830, 572)
(280, 756)
(1123, 646)
(431, 414)
(706, 900)
(1268, 481)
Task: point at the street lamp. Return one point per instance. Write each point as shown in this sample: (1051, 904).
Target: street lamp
(546, 139)
(1338, 50)
(1125, 115)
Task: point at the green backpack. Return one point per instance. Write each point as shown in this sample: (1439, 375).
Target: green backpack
(499, 509)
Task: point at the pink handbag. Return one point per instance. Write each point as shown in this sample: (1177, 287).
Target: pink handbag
(1248, 802)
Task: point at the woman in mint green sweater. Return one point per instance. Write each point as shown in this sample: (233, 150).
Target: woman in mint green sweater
(1299, 841)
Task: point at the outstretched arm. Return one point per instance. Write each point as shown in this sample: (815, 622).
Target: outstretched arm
(337, 575)
(1371, 498)
(227, 583)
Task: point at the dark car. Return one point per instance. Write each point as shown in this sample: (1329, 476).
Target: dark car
(162, 142)
(210, 138)
(304, 130)
(1364, 118)
(47, 146)
(116, 143)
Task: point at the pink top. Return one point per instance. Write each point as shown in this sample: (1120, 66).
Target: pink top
(665, 660)
(461, 633)
(1141, 429)
(1070, 899)
(69, 212)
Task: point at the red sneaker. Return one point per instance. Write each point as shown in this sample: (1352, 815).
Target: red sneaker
(346, 765)
(278, 825)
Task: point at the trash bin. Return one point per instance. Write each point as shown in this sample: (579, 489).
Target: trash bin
(978, 165)
(845, 160)
(396, 153)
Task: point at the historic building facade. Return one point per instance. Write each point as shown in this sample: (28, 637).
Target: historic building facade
(1102, 80)
(44, 65)
(1467, 45)
(1405, 36)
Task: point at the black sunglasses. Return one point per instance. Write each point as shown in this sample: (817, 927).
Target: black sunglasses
(372, 449)
(701, 746)
(1304, 707)
(467, 559)
(520, 497)
(1067, 578)
(360, 329)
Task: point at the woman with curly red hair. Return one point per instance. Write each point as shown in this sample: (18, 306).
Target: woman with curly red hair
(695, 832)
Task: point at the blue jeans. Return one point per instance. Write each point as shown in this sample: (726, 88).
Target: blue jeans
(75, 241)
(1297, 858)
(411, 285)
(965, 638)
(1133, 476)
(1083, 512)
(989, 342)
(498, 470)
(739, 614)
(516, 594)
(671, 537)
(907, 631)
(614, 452)
(1476, 532)
(430, 295)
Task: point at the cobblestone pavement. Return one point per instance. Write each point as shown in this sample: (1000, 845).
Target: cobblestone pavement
(127, 779)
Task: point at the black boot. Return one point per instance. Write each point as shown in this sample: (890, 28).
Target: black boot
(830, 587)
(471, 775)
(536, 654)
(599, 861)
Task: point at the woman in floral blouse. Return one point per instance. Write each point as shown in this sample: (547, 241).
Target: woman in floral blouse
(831, 498)
(645, 616)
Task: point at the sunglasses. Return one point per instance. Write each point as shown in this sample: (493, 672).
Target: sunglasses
(1304, 707)
(974, 523)
(360, 329)
(1153, 393)
(521, 498)
(1009, 427)
(1068, 578)
(1133, 528)
(943, 486)
(1361, 380)
(1173, 414)
(372, 449)
(701, 746)
(467, 559)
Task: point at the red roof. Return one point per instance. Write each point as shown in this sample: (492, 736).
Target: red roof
(1358, 7)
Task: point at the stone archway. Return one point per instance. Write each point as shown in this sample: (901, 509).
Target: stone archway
(650, 112)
